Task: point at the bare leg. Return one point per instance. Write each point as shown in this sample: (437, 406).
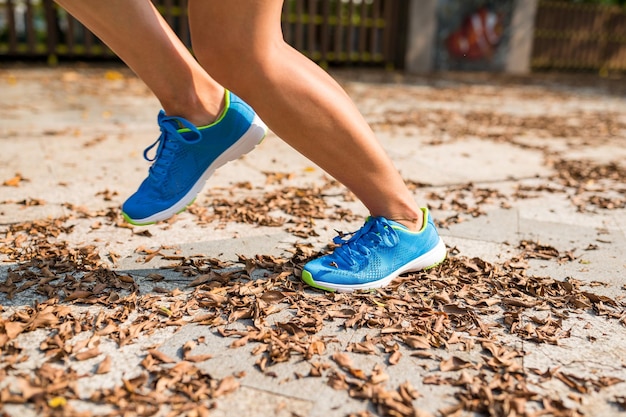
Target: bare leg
(240, 43)
(144, 41)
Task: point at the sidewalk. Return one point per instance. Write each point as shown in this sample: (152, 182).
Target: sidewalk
(205, 313)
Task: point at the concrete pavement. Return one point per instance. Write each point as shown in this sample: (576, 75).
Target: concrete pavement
(524, 176)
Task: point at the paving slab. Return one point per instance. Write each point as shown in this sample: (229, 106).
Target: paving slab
(478, 150)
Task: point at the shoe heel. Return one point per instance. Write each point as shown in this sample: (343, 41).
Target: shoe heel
(430, 259)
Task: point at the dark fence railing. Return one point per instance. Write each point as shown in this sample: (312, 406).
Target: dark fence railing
(342, 31)
(579, 37)
(328, 31)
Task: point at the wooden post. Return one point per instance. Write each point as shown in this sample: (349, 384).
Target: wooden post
(12, 26)
(52, 37)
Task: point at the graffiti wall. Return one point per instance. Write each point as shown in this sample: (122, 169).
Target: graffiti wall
(472, 35)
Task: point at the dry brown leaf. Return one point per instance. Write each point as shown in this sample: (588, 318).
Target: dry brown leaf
(202, 279)
(272, 296)
(394, 358)
(12, 329)
(160, 356)
(416, 342)
(454, 363)
(198, 358)
(88, 354)
(105, 366)
(226, 386)
(342, 360)
(14, 181)
(78, 295)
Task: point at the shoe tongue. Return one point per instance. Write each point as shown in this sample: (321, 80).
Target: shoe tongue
(176, 124)
(188, 132)
(181, 129)
(172, 122)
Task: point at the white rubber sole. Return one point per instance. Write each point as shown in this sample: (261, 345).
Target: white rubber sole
(248, 141)
(428, 260)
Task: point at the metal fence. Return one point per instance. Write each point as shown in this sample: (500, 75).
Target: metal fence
(347, 31)
(579, 37)
(328, 31)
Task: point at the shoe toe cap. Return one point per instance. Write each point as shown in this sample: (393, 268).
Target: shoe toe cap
(324, 270)
(133, 210)
(136, 208)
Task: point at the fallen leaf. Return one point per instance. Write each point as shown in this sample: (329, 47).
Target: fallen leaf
(105, 366)
(88, 354)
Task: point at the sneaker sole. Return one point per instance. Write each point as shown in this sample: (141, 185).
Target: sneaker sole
(248, 141)
(428, 260)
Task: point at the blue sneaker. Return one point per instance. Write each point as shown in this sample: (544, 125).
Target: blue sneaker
(374, 255)
(187, 156)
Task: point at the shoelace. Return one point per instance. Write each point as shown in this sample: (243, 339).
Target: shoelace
(376, 231)
(168, 142)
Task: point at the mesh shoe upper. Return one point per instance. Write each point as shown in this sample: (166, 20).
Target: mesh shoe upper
(186, 155)
(372, 256)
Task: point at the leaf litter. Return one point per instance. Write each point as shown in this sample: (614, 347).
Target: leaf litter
(469, 316)
(427, 313)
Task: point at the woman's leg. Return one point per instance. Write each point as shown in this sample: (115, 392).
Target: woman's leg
(219, 126)
(240, 43)
(144, 41)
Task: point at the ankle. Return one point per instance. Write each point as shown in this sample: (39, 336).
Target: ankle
(197, 109)
(414, 223)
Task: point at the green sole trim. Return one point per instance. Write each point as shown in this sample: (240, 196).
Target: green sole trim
(308, 278)
(134, 223)
(436, 264)
(185, 208)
